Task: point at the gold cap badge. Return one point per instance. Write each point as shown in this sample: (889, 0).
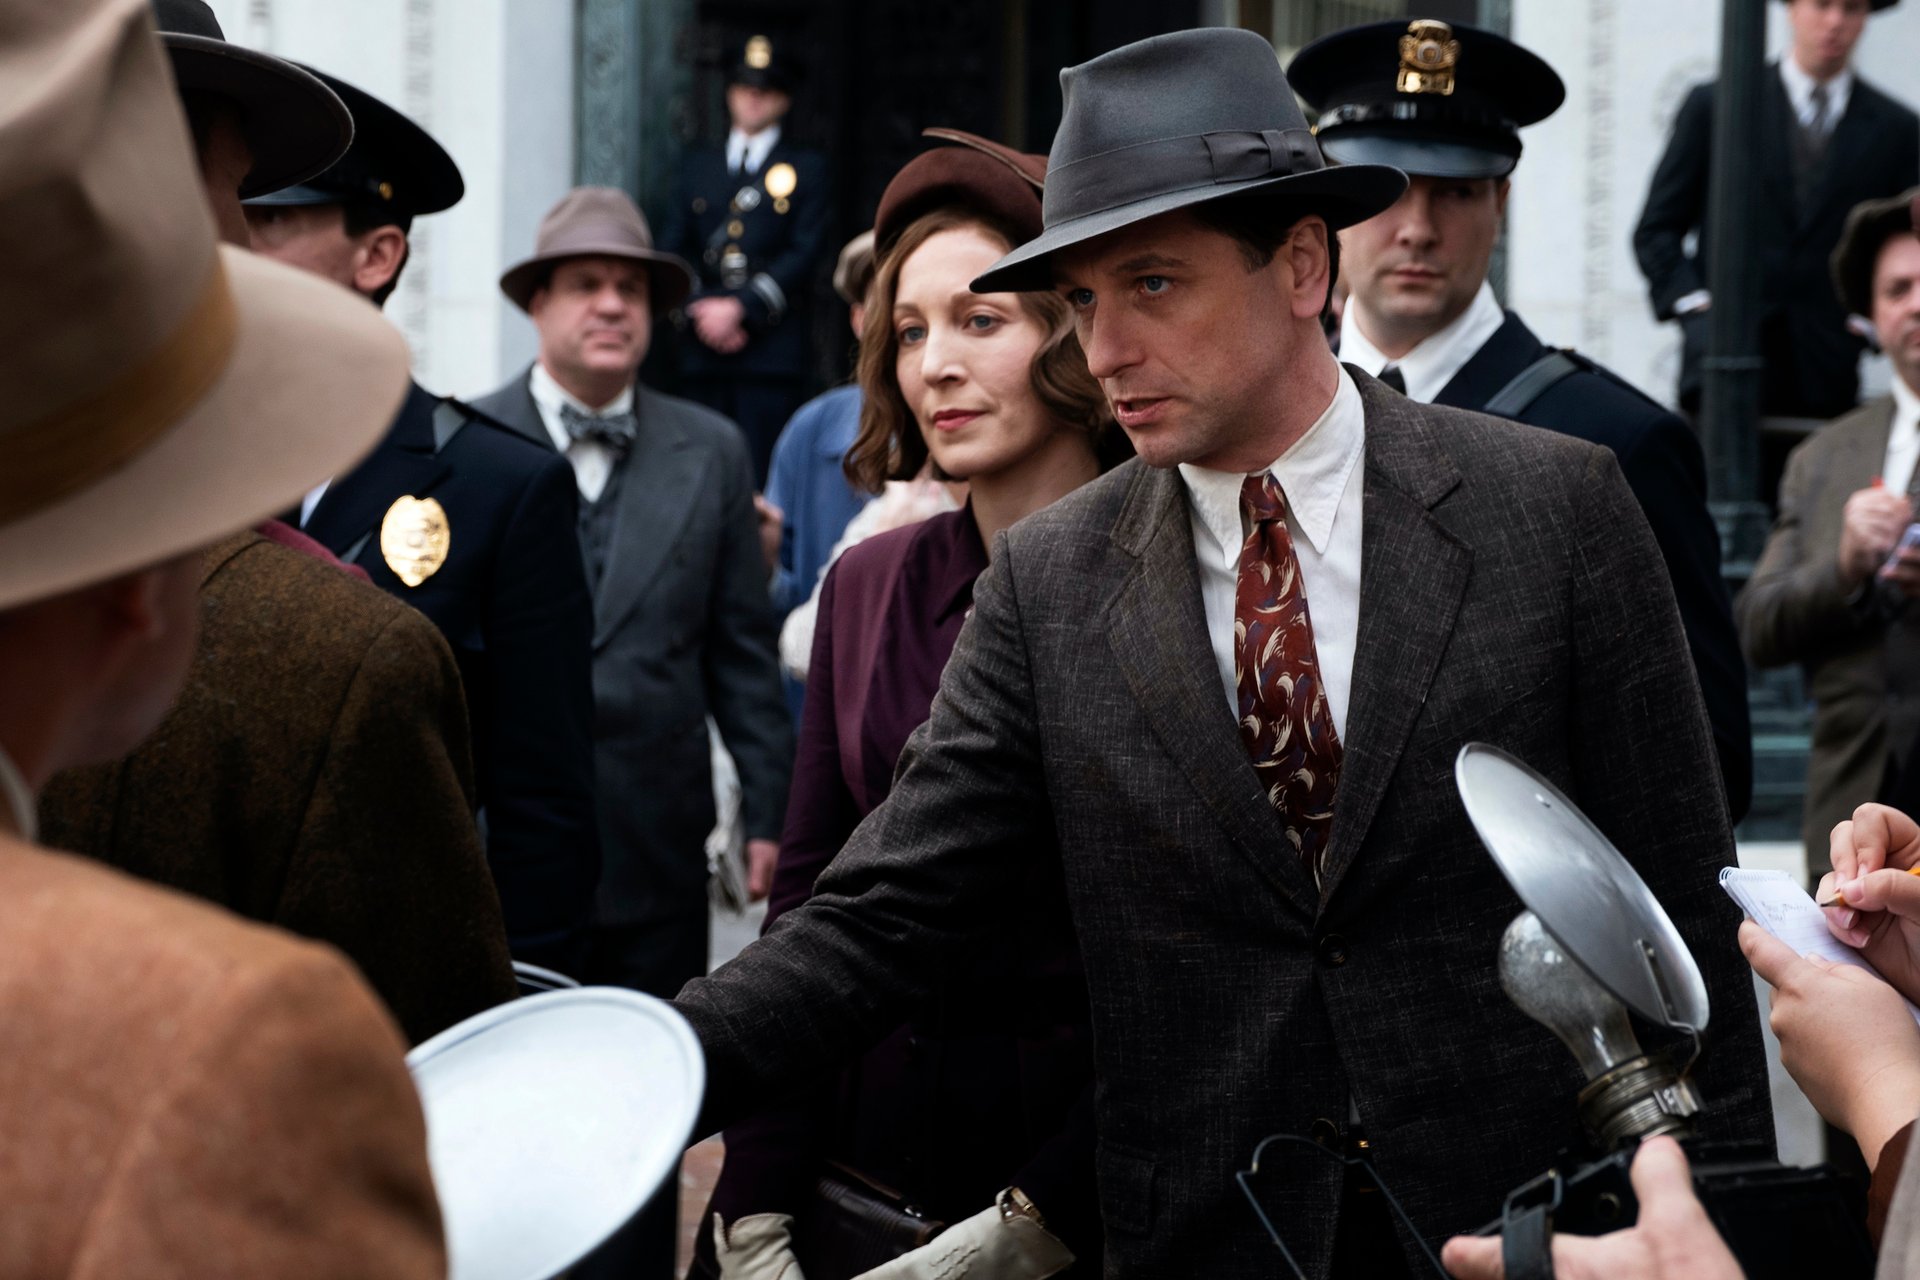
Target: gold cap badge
(1428, 55)
(759, 53)
(781, 180)
(414, 539)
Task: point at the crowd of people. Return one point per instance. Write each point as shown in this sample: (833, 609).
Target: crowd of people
(1093, 664)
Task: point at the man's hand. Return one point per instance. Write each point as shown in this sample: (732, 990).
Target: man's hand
(991, 1245)
(1871, 524)
(761, 857)
(1846, 1038)
(719, 322)
(1673, 1240)
(1871, 854)
(772, 519)
(756, 1247)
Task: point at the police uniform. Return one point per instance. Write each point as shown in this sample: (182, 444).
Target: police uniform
(755, 235)
(1449, 102)
(475, 527)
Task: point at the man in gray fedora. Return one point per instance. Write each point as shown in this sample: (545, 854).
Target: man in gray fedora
(1287, 922)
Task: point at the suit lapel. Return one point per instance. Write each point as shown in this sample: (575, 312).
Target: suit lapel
(1847, 149)
(658, 482)
(1776, 149)
(1158, 631)
(1413, 578)
(403, 464)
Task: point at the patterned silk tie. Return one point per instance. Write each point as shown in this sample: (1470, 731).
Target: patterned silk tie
(1284, 719)
(614, 430)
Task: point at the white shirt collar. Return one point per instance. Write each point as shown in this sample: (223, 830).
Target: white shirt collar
(17, 796)
(1430, 366)
(1312, 473)
(1799, 86)
(1906, 407)
(549, 395)
(754, 147)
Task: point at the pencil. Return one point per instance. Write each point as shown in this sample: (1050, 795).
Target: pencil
(1837, 901)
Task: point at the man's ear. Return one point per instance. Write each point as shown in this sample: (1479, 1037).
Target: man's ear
(378, 259)
(1500, 191)
(1306, 253)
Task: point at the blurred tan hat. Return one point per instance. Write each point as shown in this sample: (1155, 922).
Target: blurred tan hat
(157, 391)
(853, 273)
(598, 222)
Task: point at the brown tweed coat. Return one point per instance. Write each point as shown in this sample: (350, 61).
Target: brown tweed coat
(185, 1095)
(315, 774)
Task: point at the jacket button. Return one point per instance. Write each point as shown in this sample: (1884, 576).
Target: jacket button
(1325, 1132)
(1333, 950)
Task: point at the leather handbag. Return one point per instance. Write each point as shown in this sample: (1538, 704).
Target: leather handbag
(852, 1224)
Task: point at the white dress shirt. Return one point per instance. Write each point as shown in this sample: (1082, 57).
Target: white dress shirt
(1903, 441)
(1430, 366)
(17, 796)
(1322, 479)
(746, 152)
(1800, 85)
(592, 461)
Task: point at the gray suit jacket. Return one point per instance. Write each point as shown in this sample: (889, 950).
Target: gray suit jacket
(1511, 593)
(1794, 610)
(682, 630)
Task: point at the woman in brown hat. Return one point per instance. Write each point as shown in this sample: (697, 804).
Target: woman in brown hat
(975, 1110)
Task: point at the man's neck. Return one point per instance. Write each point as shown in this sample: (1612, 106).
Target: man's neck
(1293, 410)
(1818, 77)
(1395, 340)
(591, 390)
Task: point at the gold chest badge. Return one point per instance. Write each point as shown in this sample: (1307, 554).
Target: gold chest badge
(414, 539)
(781, 180)
(1428, 55)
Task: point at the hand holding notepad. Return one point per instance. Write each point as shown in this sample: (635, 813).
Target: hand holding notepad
(1776, 902)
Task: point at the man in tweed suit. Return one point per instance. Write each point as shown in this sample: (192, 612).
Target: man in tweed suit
(1470, 579)
(316, 772)
(188, 1094)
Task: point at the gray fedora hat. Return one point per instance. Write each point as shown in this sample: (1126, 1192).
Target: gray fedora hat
(599, 222)
(1175, 121)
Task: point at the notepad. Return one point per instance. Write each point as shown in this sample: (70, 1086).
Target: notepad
(1777, 903)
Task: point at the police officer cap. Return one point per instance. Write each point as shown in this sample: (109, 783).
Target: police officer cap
(758, 68)
(393, 165)
(1424, 96)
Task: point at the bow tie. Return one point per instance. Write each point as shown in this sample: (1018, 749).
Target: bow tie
(614, 430)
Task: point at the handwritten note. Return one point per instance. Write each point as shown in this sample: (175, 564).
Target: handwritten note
(1777, 903)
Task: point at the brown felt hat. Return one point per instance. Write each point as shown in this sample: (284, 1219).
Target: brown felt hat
(599, 222)
(978, 173)
(1870, 224)
(198, 388)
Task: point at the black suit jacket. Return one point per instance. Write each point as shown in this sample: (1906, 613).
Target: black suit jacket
(1661, 459)
(683, 630)
(512, 601)
(1510, 593)
(783, 246)
(1812, 359)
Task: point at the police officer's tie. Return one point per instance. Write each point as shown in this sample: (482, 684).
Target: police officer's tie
(1392, 377)
(1284, 718)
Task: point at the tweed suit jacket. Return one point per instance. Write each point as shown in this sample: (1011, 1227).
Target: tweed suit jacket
(683, 629)
(1511, 593)
(1794, 609)
(189, 1097)
(315, 774)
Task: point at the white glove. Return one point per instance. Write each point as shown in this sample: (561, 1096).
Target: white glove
(756, 1247)
(994, 1244)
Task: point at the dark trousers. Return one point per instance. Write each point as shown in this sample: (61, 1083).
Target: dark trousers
(657, 958)
(759, 404)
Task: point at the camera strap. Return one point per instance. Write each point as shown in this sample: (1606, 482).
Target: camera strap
(1526, 1229)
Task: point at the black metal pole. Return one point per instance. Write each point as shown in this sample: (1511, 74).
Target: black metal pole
(1730, 400)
